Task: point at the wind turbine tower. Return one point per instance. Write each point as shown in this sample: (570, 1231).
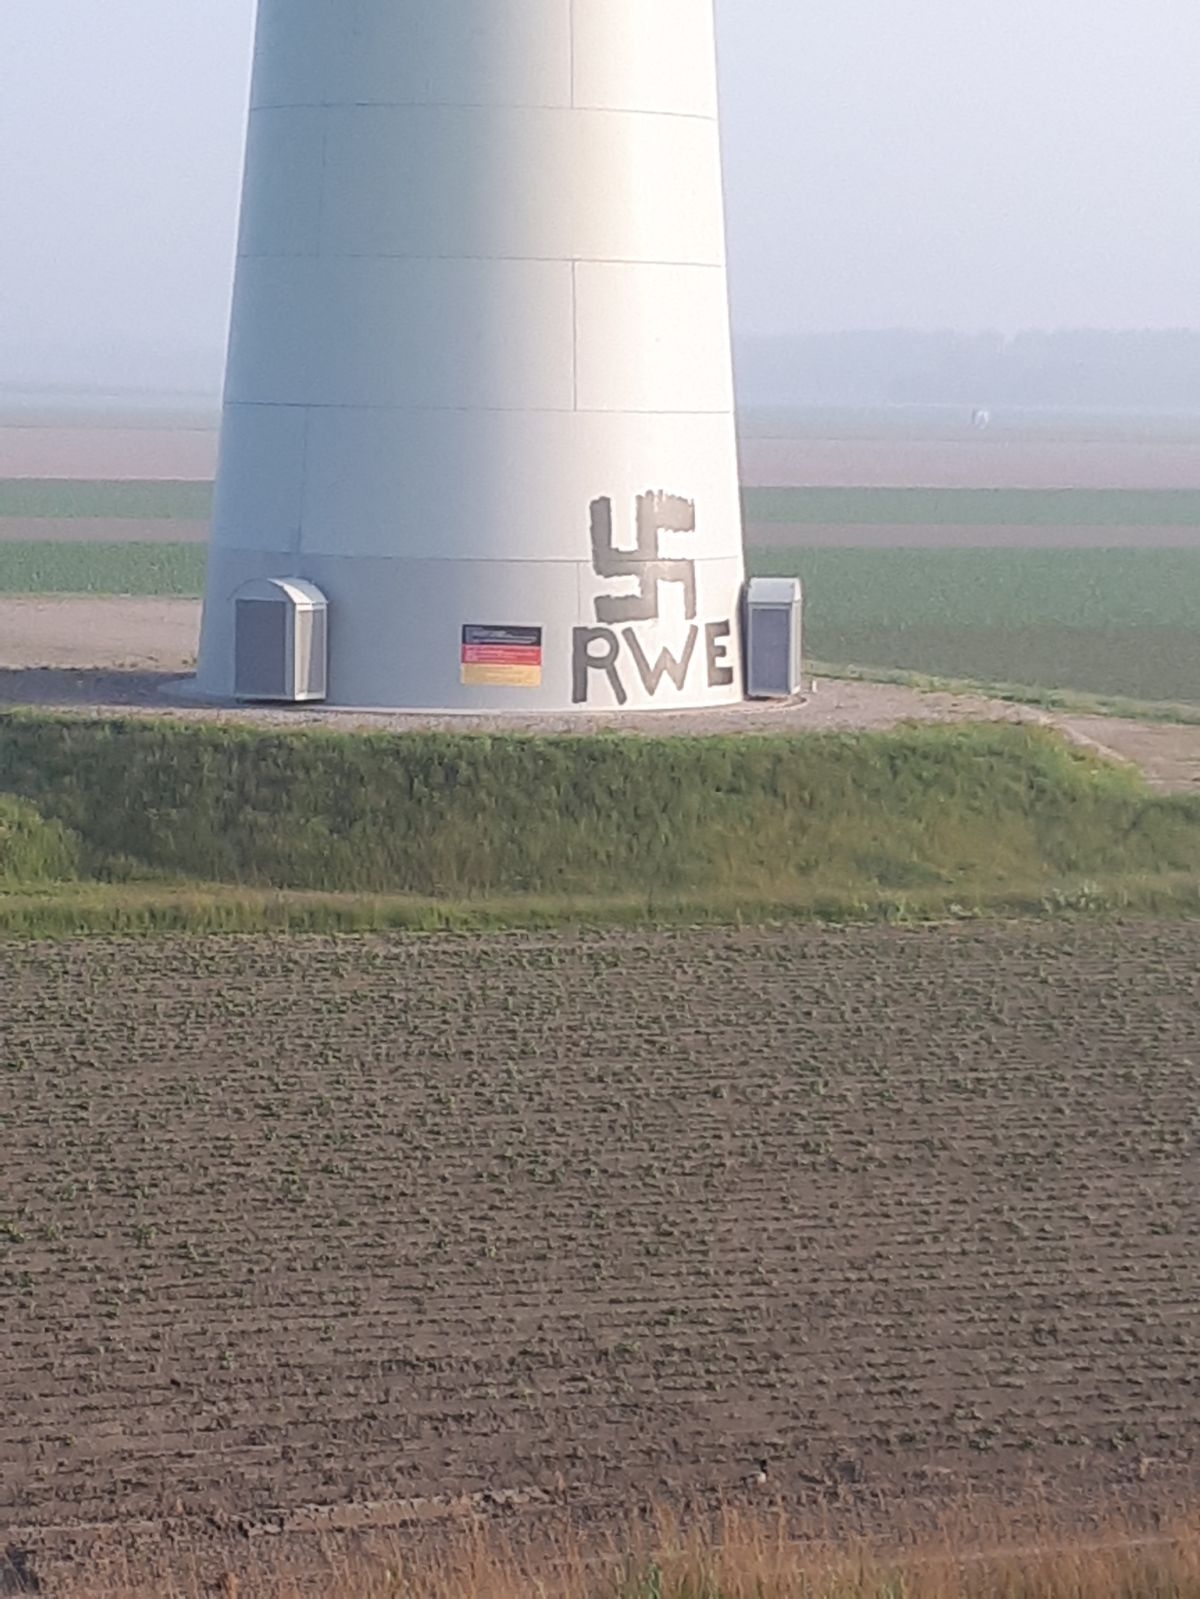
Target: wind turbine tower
(478, 417)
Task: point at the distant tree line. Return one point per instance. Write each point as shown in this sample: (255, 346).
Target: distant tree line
(1135, 371)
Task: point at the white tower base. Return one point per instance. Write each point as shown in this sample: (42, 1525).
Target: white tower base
(479, 388)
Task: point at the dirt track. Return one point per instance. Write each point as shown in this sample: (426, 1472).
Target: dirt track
(998, 464)
(103, 634)
(97, 656)
(99, 530)
(106, 453)
(307, 1223)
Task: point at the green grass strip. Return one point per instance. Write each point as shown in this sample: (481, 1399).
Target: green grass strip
(1047, 508)
(1013, 588)
(160, 570)
(1122, 624)
(1065, 700)
(64, 498)
(72, 909)
(192, 502)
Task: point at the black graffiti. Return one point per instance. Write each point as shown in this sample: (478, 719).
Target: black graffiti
(721, 673)
(585, 661)
(614, 654)
(598, 649)
(667, 665)
(657, 513)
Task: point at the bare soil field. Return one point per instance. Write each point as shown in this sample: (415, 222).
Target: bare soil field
(317, 1234)
(154, 451)
(144, 454)
(945, 464)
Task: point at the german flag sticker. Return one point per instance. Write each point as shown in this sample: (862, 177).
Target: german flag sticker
(501, 657)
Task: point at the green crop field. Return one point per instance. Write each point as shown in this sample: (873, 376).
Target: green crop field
(1047, 508)
(60, 498)
(1099, 621)
(904, 507)
(30, 567)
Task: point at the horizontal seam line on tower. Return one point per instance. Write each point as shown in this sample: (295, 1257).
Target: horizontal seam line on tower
(531, 260)
(470, 410)
(483, 105)
(457, 560)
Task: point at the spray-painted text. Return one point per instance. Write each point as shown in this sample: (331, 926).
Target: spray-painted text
(620, 657)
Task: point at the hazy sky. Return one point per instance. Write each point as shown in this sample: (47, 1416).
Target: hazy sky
(913, 163)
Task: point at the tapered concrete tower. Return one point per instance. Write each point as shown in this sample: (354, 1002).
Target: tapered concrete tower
(479, 395)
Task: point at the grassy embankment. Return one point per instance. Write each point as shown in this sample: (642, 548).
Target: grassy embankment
(203, 825)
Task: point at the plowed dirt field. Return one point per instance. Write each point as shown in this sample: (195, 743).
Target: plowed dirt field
(286, 1225)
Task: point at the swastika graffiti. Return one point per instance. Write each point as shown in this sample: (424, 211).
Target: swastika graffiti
(656, 514)
(603, 652)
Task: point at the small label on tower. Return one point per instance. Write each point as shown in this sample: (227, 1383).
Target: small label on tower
(502, 657)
